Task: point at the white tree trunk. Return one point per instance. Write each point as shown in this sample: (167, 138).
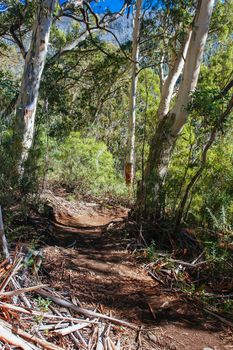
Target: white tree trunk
(30, 84)
(130, 151)
(152, 197)
(192, 64)
(173, 75)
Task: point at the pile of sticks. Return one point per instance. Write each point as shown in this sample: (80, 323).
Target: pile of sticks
(36, 317)
(177, 276)
(33, 317)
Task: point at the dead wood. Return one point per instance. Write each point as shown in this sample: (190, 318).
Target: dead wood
(67, 304)
(8, 337)
(21, 290)
(3, 238)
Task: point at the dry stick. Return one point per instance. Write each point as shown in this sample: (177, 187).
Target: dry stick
(67, 304)
(118, 344)
(99, 345)
(114, 347)
(220, 318)
(8, 337)
(152, 274)
(75, 340)
(21, 290)
(3, 238)
(31, 338)
(10, 274)
(138, 339)
(3, 264)
(37, 313)
(54, 326)
(72, 329)
(83, 342)
(92, 339)
(22, 296)
(190, 265)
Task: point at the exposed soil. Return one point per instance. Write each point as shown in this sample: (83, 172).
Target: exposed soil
(82, 257)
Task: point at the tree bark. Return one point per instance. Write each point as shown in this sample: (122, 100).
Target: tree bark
(151, 199)
(173, 75)
(30, 84)
(130, 151)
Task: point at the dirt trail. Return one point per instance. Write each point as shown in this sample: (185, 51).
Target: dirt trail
(98, 270)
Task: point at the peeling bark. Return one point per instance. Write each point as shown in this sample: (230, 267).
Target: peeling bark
(30, 84)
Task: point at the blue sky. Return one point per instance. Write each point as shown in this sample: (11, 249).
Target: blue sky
(103, 5)
(112, 5)
(100, 6)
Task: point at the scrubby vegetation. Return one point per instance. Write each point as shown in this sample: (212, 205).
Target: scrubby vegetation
(145, 123)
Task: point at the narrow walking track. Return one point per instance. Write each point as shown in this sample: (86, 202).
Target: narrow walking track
(94, 266)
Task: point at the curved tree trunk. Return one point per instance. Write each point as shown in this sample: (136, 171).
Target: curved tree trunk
(130, 151)
(151, 199)
(30, 84)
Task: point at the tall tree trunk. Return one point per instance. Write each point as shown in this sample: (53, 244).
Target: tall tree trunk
(130, 151)
(173, 75)
(152, 199)
(30, 84)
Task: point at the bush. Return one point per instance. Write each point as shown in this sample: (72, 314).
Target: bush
(86, 165)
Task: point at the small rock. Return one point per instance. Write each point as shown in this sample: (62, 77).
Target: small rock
(208, 349)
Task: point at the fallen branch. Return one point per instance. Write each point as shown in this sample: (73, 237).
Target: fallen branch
(41, 314)
(220, 318)
(30, 337)
(9, 338)
(67, 304)
(21, 291)
(189, 265)
(72, 329)
(11, 273)
(152, 274)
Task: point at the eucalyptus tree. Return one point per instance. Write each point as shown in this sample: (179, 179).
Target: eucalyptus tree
(35, 57)
(29, 91)
(172, 118)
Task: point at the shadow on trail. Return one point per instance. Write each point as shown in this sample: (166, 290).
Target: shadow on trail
(98, 268)
(94, 265)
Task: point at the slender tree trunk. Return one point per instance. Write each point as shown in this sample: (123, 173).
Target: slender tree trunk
(130, 151)
(152, 199)
(197, 175)
(30, 84)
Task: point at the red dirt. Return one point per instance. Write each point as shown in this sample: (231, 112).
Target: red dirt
(99, 270)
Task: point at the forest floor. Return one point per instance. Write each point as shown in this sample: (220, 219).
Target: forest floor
(88, 259)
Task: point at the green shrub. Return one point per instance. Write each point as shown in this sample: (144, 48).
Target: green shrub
(86, 165)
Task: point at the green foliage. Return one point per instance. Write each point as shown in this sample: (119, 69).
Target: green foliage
(43, 305)
(86, 165)
(220, 222)
(215, 254)
(151, 251)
